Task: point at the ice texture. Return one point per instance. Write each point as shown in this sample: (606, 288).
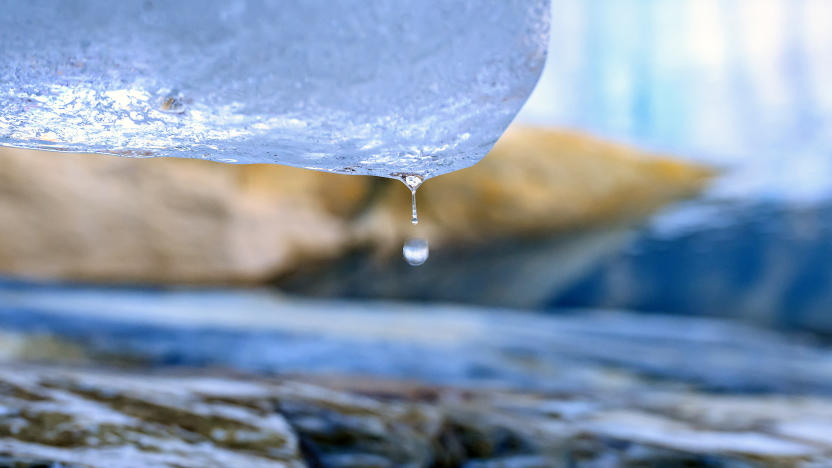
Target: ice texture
(376, 87)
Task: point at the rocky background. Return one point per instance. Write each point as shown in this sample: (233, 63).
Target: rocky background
(255, 379)
(126, 338)
(174, 221)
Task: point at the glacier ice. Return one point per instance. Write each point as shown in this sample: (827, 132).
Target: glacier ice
(386, 88)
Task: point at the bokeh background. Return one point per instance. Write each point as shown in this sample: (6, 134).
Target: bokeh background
(739, 86)
(639, 272)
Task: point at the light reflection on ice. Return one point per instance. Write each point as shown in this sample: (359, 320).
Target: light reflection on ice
(315, 101)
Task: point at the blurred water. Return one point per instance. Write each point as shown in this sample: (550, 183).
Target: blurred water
(742, 84)
(763, 263)
(264, 332)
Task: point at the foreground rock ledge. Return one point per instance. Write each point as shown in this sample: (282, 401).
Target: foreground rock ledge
(94, 418)
(111, 219)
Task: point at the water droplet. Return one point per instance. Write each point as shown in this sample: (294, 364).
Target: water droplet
(416, 251)
(413, 182)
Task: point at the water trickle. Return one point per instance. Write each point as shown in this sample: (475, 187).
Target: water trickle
(413, 182)
(416, 251)
(414, 216)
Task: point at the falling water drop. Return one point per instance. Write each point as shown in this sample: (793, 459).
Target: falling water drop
(416, 251)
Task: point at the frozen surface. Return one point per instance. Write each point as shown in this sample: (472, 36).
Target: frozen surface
(351, 86)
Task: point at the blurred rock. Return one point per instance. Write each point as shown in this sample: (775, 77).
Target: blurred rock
(109, 219)
(515, 230)
(537, 182)
(39, 347)
(164, 220)
(765, 263)
(518, 273)
(115, 420)
(111, 419)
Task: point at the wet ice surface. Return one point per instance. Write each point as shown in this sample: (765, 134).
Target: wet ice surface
(379, 88)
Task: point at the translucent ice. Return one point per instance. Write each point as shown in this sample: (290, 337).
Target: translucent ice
(388, 88)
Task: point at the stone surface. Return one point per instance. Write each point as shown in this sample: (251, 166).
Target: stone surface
(107, 219)
(219, 378)
(94, 418)
(111, 420)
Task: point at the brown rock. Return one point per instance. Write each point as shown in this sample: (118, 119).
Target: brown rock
(164, 220)
(108, 219)
(535, 182)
